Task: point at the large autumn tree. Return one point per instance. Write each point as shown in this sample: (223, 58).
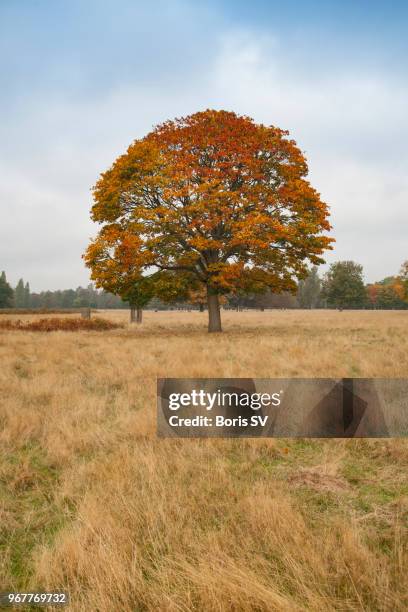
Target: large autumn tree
(219, 198)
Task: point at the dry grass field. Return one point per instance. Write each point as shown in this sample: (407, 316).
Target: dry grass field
(91, 501)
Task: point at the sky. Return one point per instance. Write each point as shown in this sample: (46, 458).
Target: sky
(81, 79)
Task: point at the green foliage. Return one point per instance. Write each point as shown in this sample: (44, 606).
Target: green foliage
(309, 290)
(19, 295)
(389, 299)
(343, 285)
(404, 278)
(172, 287)
(27, 300)
(82, 297)
(140, 292)
(6, 292)
(267, 299)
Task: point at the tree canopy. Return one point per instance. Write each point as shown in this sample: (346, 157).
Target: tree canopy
(219, 198)
(6, 292)
(309, 290)
(343, 285)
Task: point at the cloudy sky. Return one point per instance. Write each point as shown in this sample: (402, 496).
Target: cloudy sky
(80, 79)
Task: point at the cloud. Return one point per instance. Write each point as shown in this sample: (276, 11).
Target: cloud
(56, 140)
(352, 126)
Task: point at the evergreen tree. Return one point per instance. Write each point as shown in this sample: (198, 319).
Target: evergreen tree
(6, 292)
(27, 300)
(19, 294)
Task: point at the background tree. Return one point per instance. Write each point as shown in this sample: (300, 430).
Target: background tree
(404, 279)
(27, 300)
(19, 295)
(219, 197)
(6, 292)
(268, 299)
(372, 294)
(309, 289)
(390, 293)
(67, 298)
(198, 297)
(391, 296)
(343, 285)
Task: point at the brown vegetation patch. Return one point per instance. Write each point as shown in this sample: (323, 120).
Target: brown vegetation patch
(317, 480)
(36, 311)
(57, 324)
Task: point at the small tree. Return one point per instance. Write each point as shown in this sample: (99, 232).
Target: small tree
(112, 258)
(309, 290)
(219, 197)
(6, 292)
(343, 285)
(138, 295)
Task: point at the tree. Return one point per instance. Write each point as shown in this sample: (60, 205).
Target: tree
(343, 285)
(27, 300)
(19, 294)
(48, 300)
(391, 297)
(139, 294)
(390, 293)
(111, 257)
(309, 290)
(67, 298)
(6, 292)
(218, 197)
(404, 278)
(372, 294)
(275, 300)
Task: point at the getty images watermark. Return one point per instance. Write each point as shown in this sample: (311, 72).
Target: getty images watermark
(199, 398)
(247, 407)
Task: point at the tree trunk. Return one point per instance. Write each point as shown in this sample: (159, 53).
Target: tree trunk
(139, 315)
(201, 307)
(214, 314)
(132, 314)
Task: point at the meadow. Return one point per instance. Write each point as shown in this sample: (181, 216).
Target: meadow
(93, 502)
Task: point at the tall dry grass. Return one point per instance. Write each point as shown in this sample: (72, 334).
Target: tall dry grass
(93, 502)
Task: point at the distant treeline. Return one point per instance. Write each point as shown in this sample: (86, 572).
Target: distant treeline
(341, 287)
(82, 297)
